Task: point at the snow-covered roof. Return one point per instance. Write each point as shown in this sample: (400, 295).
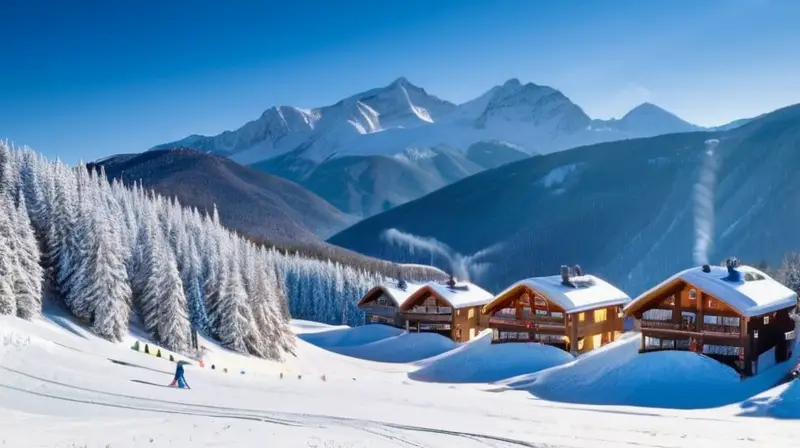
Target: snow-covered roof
(464, 294)
(754, 294)
(590, 292)
(392, 291)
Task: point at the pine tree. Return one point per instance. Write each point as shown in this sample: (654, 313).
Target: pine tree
(8, 269)
(173, 320)
(28, 282)
(105, 290)
(234, 317)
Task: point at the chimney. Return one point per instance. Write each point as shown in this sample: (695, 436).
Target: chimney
(402, 284)
(706, 268)
(565, 275)
(451, 282)
(578, 270)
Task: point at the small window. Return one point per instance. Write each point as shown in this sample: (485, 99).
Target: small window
(766, 320)
(712, 304)
(471, 313)
(600, 315)
(692, 294)
(581, 317)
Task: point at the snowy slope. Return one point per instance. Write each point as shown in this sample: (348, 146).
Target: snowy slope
(401, 115)
(617, 374)
(480, 361)
(62, 387)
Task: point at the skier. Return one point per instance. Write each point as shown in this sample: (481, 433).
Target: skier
(179, 379)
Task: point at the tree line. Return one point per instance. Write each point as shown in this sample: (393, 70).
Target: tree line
(116, 256)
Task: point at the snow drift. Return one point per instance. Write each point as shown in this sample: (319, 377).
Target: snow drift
(407, 347)
(347, 337)
(618, 375)
(480, 361)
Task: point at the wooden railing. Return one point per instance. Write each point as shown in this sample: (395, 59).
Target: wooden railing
(726, 329)
(557, 324)
(661, 325)
(427, 317)
(549, 319)
(381, 311)
(711, 328)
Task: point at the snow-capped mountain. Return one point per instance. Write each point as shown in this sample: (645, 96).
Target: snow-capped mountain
(401, 115)
(624, 209)
(647, 118)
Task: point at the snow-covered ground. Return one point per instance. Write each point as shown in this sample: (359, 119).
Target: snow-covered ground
(62, 387)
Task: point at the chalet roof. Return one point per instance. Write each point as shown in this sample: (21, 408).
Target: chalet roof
(398, 296)
(589, 292)
(754, 294)
(464, 294)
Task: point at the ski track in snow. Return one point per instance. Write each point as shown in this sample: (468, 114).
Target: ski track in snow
(60, 389)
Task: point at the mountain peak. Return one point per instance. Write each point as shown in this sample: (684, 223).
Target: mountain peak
(401, 81)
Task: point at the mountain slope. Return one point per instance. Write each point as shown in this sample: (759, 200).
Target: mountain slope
(367, 185)
(622, 209)
(250, 201)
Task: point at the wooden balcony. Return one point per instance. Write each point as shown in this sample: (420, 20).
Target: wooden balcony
(724, 329)
(384, 311)
(531, 317)
(427, 317)
(522, 325)
(661, 325)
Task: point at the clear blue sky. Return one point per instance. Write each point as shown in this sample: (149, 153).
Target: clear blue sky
(83, 79)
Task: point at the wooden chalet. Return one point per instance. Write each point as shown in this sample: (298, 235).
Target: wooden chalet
(735, 314)
(572, 311)
(382, 303)
(452, 309)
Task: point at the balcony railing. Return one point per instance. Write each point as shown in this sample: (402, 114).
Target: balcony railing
(380, 311)
(661, 325)
(427, 317)
(539, 318)
(710, 328)
(725, 329)
(559, 324)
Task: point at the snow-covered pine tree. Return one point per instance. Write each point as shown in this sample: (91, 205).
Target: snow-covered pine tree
(789, 272)
(232, 324)
(173, 320)
(28, 281)
(214, 270)
(104, 289)
(8, 259)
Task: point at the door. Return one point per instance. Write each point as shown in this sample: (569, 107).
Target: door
(471, 334)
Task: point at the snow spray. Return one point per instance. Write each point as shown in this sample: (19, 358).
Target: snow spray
(704, 204)
(461, 266)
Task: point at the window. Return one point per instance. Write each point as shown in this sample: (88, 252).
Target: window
(458, 333)
(471, 313)
(766, 320)
(557, 315)
(600, 315)
(540, 301)
(581, 317)
(712, 304)
(541, 312)
(692, 294)
(458, 312)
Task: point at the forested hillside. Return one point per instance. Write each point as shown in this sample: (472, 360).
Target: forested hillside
(114, 256)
